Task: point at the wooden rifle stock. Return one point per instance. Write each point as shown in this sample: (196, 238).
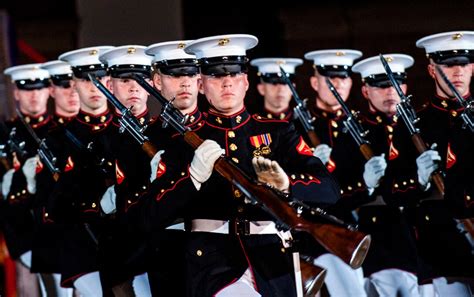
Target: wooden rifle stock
(436, 176)
(350, 246)
(312, 277)
(313, 138)
(366, 151)
(149, 148)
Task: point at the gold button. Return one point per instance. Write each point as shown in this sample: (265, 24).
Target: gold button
(237, 193)
(374, 219)
(293, 176)
(46, 214)
(94, 205)
(404, 183)
(412, 181)
(427, 218)
(335, 133)
(390, 136)
(144, 187)
(235, 160)
(454, 113)
(342, 192)
(218, 120)
(390, 129)
(182, 173)
(162, 190)
(18, 194)
(334, 124)
(231, 134)
(23, 192)
(349, 188)
(233, 147)
(302, 176)
(359, 184)
(109, 163)
(172, 182)
(12, 197)
(310, 177)
(240, 209)
(468, 198)
(199, 253)
(128, 201)
(396, 185)
(136, 194)
(283, 250)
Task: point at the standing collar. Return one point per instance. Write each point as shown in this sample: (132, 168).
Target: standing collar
(228, 122)
(284, 115)
(448, 104)
(96, 122)
(378, 117)
(37, 121)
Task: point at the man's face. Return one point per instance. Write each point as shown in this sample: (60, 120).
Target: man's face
(459, 75)
(225, 94)
(32, 102)
(92, 100)
(342, 85)
(129, 93)
(184, 89)
(66, 100)
(276, 97)
(383, 99)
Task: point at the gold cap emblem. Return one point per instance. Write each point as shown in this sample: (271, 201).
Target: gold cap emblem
(457, 36)
(339, 54)
(131, 50)
(181, 45)
(93, 52)
(281, 62)
(223, 41)
(388, 59)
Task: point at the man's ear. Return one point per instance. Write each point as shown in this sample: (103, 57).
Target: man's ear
(261, 89)
(200, 85)
(431, 70)
(108, 84)
(157, 81)
(313, 80)
(16, 94)
(365, 91)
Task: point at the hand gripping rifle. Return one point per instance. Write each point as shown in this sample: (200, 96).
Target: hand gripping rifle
(467, 114)
(128, 122)
(350, 246)
(408, 115)
(352, 125)
(44, 153)
(301, 112)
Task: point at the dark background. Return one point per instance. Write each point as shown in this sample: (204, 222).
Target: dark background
(284, 28)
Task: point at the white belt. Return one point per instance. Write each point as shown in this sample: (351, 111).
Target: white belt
(222, 227)
(179, 226)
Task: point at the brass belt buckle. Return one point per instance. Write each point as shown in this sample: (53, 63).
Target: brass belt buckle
(242, 227)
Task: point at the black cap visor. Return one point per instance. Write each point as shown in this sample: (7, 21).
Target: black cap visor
(32, 84)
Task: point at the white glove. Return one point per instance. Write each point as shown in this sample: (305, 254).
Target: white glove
(270, 172)
(29, 170)
(154, 164)
(323, 151)
(7, 182)
(203, 161)
(426, 163)
(374, 170)
(107, 202)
